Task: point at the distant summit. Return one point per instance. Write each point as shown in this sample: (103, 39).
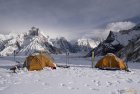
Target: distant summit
(34, 31)
(34, 40)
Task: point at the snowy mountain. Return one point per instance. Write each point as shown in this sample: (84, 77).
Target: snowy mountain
(33, 43)
(28, 42)
(116, 41)
(92, 43)
(132, 50)
(63, 45)
(86, 44)
(75, 45)
(9, 36)
(7, 43)
(36, 41)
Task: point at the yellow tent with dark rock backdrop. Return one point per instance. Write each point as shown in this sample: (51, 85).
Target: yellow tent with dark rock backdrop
(38, 61)
(110, 61)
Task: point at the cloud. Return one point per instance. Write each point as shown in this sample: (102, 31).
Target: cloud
(117, 26)
(103, 33)
(64, 17)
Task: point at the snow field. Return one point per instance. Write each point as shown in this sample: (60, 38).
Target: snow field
(78, 79)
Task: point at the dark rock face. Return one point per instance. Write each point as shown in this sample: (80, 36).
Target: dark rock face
(52, 49)
(34, 31)
(110, 38)
(2, 46)
(131, 51)
(65, 46)
(137, 27)
(106, 46)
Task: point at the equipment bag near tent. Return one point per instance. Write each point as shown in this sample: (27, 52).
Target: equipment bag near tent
(38, 62)
(110, 61)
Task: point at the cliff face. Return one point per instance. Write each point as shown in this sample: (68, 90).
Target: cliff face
(126, 42)
(131, 51)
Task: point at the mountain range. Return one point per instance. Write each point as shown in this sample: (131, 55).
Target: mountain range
(29, 42)
(125, 44)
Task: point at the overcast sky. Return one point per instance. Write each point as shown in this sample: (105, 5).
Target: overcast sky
(70, 18)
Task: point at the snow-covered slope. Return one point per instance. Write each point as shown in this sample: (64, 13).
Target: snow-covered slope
(116, 41)
(88, 42)
(132, 50)
(28, 42)
(72, 46)
(123, 37)
(78, 79)
(33, 41)
(32, 44)
(63, 44)
(8, 44)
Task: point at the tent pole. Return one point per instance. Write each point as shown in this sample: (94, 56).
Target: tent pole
(92, 59)
(14, 55)
(66, 59)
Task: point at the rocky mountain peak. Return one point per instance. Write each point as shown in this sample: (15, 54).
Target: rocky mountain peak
(110, 38)
(116, 41)
(34, 31)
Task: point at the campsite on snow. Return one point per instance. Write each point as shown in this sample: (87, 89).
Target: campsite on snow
(31, 63)
(69, 46)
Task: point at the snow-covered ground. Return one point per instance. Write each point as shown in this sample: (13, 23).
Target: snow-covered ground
(78, 79)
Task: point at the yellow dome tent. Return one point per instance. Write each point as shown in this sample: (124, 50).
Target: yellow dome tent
(38, 62)
(110, 61)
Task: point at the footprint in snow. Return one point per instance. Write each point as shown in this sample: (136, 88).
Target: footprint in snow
(45, 84)
(96, 89)
(98, 83)
(118, 82)
(109, 84)
(93, 81)
(86, 85)
(63, 85)
(129, 80)
(70, 88)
